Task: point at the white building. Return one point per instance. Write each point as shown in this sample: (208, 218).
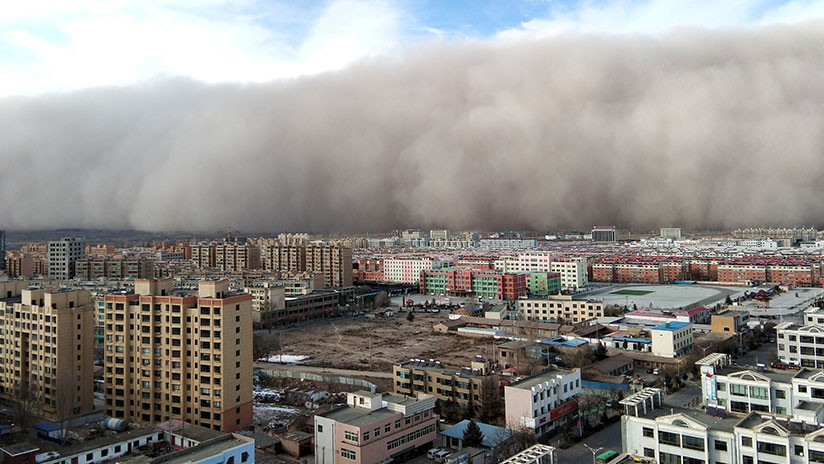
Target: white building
(543, 401)
(671, 233)
(63, 254)
(408, 270)
(672, 339)
(573, 272)
(795, 394)
(439, 234)
(802, 345)
(556, 307)
(689, 436)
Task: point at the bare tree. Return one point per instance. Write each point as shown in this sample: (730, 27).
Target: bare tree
(517, 440)
(264, 345)
(491, 402)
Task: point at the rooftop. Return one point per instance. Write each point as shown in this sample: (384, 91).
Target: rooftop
(187, 430)
(540, 378)
(358, 417)
(672, 325)
(774, 375)
(492, 435)
(204, 451)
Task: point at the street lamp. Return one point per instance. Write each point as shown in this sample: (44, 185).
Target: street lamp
(594, 451)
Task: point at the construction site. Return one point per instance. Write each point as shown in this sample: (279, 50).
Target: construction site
(376, 344)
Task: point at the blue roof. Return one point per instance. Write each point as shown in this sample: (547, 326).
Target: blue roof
(492, 435)
(674, 325)
(560, 341)
(47, 426)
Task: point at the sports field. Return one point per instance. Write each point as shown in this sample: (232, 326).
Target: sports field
(632, 292)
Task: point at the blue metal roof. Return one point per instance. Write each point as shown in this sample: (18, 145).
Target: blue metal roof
(492, 435)
(674, 325)
(631, 339)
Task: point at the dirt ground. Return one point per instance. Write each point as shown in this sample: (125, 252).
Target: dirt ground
(346, 344)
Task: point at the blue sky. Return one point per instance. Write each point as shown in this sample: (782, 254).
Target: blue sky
(60, 45)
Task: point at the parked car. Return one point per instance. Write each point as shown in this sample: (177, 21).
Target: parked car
(656, 371)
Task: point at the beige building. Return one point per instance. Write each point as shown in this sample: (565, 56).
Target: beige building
(112, 267)
(47, 350)
(332, 261)
(464, 385)
(730, 321)
(563, 307)
(171, 355)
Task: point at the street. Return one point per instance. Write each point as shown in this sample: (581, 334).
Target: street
(759, 355)
(609, 439)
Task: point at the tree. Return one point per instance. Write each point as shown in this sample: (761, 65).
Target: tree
(583, 356)
(600, 352)
(265, 345)
(473, 436)
(491, 403)
(516, 441)
(410, 317)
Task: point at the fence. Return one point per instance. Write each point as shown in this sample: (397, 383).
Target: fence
(317, 377)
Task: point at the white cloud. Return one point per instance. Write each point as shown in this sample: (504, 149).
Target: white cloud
(88, 43)
(653, 16)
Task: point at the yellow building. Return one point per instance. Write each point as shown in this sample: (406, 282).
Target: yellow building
(47, 350)
(171, 355)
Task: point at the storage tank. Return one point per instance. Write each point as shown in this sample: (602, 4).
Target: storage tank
(118, 425)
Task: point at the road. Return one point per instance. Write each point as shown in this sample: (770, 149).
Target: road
(609, 438)
(322, 370)
(758, 355)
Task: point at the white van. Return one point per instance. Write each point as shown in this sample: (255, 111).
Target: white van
(431, 453)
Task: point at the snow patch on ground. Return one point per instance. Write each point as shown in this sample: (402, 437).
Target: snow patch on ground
(285, 359)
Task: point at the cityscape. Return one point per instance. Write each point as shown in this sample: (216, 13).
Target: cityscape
(411, 231)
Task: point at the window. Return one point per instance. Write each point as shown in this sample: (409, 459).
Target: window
(802, 389)
(746, 441)
(666, 458)
(320, 428)
(759, 393)
(648, 432)
(720, 445)
(649, 452)
(772, 448)
(351, 436)
(799, 450)
(668, 438)
(722, 386)
(694, 443)
(780, 394)
(740, 390)
(348, 454)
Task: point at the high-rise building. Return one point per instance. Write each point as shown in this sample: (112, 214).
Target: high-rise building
(47, 350)
(173, 355)
(671, 233)
(439, 234)
(604, 234)
(333, 261)
(112, 267)
(63, 254)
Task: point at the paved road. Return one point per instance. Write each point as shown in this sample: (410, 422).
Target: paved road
(609, 438)
(322, 370)
(762, 354)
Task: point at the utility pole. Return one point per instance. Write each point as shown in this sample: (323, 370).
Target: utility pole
(593, 451)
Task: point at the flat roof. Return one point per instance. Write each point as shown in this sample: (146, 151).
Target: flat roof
(772, 374)
(19, 448)
(539, 378)
(672, 325)
(358, 417)
(204, 450)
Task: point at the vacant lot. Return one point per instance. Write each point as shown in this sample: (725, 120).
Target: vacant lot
(632, 292)
(377, 344)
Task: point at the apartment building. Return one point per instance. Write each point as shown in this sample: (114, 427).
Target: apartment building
(439, 234)
(266, 297)
(802, 345)
(604, 234)
(18, 264)
(543, 402)
(559, 307)
(112, 267)
(63, 254)
(2, 250)
(203, 255)
(176, 355)
(543, 283)
(573, 271)
(47, 350)
(334, 262)
(688, 436)
(408, 270)
(472, 282)
(375, 427)
(670, 233)
(671, 339)
(464, 385)
(235, 257)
